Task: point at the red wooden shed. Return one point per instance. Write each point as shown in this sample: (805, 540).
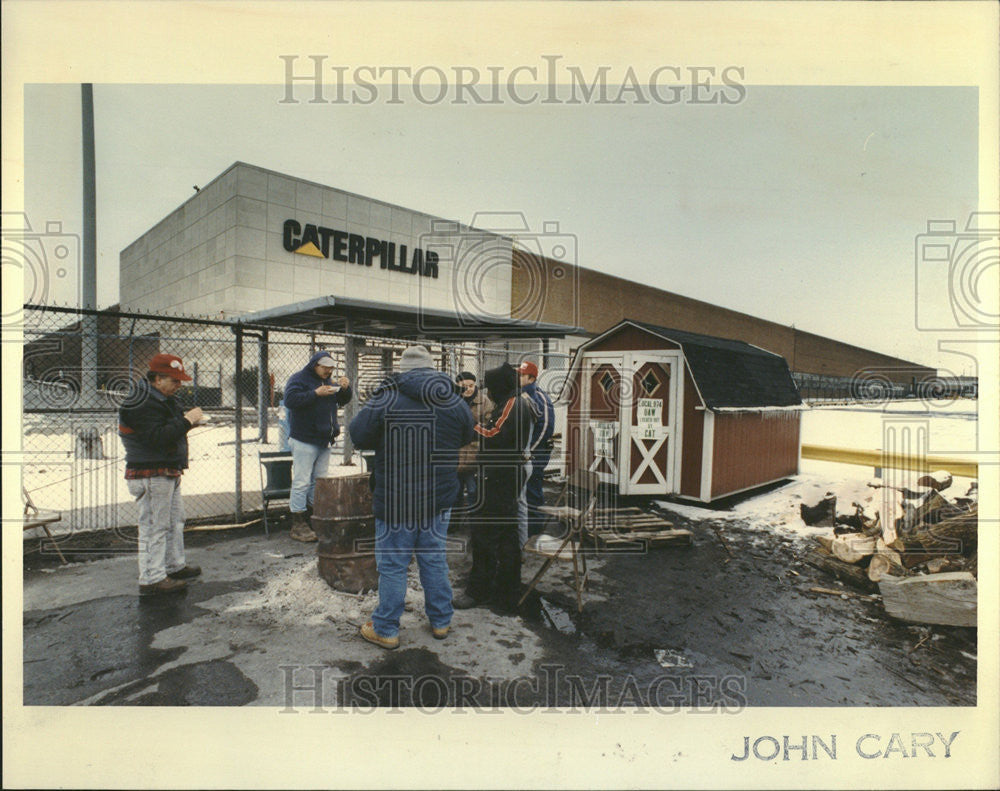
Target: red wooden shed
(656, 411)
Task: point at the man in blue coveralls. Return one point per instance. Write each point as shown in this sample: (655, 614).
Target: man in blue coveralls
(539, 448)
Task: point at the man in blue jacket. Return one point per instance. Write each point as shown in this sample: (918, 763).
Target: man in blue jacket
(531, 520)
(311, 401)
(153, 428)
(415, 422)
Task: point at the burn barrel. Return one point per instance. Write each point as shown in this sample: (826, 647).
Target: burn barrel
(344, 523)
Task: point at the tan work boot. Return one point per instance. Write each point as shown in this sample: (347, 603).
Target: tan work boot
(163, 587)
(440, 632)
(301, 531)
(367, 632)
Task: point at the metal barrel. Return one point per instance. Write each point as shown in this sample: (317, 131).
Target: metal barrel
(344, 523)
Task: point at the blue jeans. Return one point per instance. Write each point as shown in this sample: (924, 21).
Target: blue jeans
(522, 507)
(534, 496)
(308, 462)
(394, 546)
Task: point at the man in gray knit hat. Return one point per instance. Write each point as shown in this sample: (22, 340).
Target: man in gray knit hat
(415, 422)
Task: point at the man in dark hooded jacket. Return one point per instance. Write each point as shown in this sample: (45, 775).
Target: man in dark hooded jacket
(415, 422)
(153, 428)
(496, 551)
(311, 401)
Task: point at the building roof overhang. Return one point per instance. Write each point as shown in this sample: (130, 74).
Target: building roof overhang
(410, 322)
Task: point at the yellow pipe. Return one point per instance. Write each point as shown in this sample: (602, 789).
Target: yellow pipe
(876, 458)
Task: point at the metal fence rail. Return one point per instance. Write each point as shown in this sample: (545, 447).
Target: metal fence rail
(78, 366)
(879, 460)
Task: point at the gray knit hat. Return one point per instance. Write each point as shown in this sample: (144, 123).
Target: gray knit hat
(415, 357)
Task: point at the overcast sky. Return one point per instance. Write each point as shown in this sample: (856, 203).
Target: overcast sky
(797, 204)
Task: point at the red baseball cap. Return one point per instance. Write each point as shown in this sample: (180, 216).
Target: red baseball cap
(528, 368)
(169, 365)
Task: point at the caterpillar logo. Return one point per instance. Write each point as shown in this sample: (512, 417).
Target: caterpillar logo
(352, 248)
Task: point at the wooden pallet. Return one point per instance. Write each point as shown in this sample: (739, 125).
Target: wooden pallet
(631, 527)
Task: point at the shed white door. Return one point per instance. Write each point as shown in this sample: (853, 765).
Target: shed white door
(650, 445)
(602, 413)
(631, 403)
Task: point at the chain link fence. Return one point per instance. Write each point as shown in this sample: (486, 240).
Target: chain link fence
(78, 366)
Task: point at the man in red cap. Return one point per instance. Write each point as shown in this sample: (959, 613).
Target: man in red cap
(530, 519)
(153, 428)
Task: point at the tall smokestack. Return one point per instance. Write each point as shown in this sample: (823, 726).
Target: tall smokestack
(88, 277)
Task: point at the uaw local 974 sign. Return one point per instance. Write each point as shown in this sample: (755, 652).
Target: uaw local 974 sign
(649, 417)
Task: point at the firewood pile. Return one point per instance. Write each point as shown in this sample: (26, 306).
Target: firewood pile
(917, 547)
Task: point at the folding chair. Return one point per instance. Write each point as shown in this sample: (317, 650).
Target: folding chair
(581, 485)
(275, 478)
(33, 517)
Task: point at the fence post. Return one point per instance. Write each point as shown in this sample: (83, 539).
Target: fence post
(263, 394)
(238, 444)
(351, 372)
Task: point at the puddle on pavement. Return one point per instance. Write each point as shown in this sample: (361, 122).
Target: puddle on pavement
(213, 683)
(80, 650)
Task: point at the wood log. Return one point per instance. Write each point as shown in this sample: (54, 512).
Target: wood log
(858, 522)
(882, 565)
(878, 567)
(939, 565)
(870, 526)
(938, 480)
(826, 542)
(912, 555)
(947, 599)
(955, 535)
(885, 561)
(852, 548)
(889, 513)
(831, 592)
(921, 509)
(847, 573)
(882, 548)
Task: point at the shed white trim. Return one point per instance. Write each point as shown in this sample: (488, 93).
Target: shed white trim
(707, 447)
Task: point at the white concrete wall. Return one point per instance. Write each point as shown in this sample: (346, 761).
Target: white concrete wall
(221, 253)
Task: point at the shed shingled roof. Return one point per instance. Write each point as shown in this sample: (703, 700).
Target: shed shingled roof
(732, 373)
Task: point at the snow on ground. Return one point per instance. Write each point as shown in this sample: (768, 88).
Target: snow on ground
(952, 432)
(59, 481)
(779, 509)
(951, 425)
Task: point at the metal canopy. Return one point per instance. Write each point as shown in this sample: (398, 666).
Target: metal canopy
(363, 317)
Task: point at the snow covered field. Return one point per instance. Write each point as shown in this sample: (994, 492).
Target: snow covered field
(951, 427)
(91, 493)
